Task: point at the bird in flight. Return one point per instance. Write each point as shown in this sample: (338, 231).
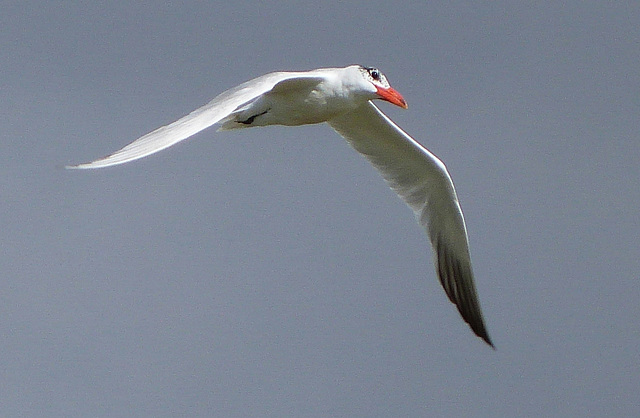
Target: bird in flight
(342, 97)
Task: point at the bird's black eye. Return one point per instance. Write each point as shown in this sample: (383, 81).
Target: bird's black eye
(375, 74)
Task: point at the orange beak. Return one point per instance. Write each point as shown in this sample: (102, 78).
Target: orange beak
(392, 96)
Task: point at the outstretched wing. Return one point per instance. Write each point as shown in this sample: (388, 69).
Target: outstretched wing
(194, 122)
(423, 182)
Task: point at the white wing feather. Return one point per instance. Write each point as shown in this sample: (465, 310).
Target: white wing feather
(423, 182)
(196, 121)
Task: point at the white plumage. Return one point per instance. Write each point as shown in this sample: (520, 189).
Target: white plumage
(342, 98)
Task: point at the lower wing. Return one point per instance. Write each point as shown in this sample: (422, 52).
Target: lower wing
(423, 182)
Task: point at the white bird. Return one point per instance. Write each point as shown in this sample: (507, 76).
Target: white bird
(342, 98)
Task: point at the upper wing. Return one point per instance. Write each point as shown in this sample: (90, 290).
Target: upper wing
(423, 182)
(194, 122)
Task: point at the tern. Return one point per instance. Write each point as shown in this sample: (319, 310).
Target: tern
(342, 97)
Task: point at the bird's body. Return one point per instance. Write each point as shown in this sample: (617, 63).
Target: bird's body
(292, 102)
(342, 98)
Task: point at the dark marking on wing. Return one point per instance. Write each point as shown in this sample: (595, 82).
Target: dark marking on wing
(456, 279)
(250, 119)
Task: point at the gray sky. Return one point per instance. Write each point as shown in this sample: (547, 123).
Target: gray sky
(271, 272)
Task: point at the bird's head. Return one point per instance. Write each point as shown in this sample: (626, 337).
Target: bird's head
(381, 88)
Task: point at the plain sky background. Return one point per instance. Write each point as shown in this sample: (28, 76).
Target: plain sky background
(271, 272)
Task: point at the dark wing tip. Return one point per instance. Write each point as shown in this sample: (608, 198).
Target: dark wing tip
(456, 278)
